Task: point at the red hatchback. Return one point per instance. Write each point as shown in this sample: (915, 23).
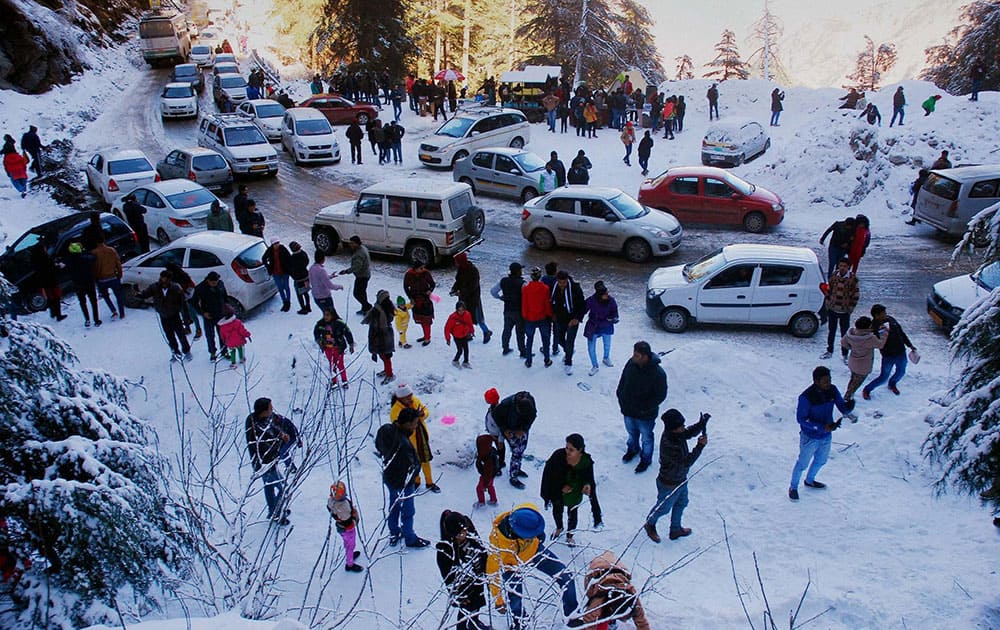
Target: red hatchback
(340, 111)
(702, 194)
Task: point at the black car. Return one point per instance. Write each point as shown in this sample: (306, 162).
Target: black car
(15, 262)
(189, 73)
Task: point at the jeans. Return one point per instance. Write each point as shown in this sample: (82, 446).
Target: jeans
(551, 116)
(565, 336)
(896, 365)
(83, 294)
(896, 111)
(671, 499)
(644, 163)
(637, 427)
(401, 512)
(512, 322)
(833, 257)
(844, 319)
(397, 152)
(628, 153)
(544, 326)
(592, 347)
(713, 107)
(975, 89)
(21, 185)
(116, 287)
(546, 562)
(654, 119)
(273, 489)
(173, 328)
(361, 292)
(462, 349)
(281, 281)
(397, 110)
(480, 319)
(324, 304)
(774, 118)
(816, 449)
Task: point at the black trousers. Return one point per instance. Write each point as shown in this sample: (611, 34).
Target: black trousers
(462, 348)
(355, 152)
(173, 328)
(512, 322)
(595, 510)
(565, 337)
(88, 293)
(835, 319)
(361, 292)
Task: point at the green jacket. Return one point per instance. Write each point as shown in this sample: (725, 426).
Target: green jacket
(929, 104)
(221, 221)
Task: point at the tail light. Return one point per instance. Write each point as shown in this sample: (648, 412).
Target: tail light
(953, 209)
(112, 185)
(241, 272)
(181, 223)
(524, 215)
(192, 176)
(157, 178)
(449, 238)
(704, 143)
(135, 238)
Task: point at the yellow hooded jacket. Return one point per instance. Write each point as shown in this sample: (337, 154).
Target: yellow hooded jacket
(508, 552)
(421, 437)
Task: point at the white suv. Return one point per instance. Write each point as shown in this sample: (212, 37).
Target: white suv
(240, 142)
(472, 129)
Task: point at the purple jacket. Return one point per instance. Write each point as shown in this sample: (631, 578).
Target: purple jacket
(603, 317)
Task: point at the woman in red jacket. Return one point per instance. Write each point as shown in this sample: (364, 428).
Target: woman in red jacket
(460, 326)
(16, 166)
(859, 244)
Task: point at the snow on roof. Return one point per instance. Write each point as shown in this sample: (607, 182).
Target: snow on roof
(531, 74)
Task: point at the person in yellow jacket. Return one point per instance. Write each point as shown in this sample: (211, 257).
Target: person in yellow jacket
(401, 399)
(402, 319)
(515, 545)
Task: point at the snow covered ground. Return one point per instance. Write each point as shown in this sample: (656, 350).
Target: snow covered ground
(881, 549)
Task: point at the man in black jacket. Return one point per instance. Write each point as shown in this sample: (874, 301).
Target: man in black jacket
(278, 262)
(265, 440)
(840, 233)
(240, 204)
(893, 353)
(643, 386)
(209, 299)
(509, 291)
(514, 416)
(32, 144)
(169, 301)
(133, 214)
(400, 466)
(558, 167)
(675, 461)
(568, 308)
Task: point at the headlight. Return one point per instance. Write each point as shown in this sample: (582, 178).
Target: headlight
(657, 232)
(777, 207)
(242, 160)
(654, 293)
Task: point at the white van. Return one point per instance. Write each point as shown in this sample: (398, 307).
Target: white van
(307, 135)
(472, 129)
(952, 196)
(771, 285)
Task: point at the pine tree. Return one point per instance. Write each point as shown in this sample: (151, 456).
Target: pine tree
(765, 60)
(965, 438)
(871, 64)
(976, 41)
(368, 35)
(86, 513)
(636, 43)
(727, 63)
(685, 68)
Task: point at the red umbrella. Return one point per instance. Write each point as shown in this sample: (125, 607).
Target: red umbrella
(449, 75)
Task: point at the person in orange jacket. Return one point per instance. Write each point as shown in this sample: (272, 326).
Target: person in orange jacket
(536, 310)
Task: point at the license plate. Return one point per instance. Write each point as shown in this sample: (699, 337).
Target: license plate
(937, 318)
(425, 156)
(259, 167)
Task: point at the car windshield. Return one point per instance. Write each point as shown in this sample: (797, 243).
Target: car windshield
(704, 266)
(183, 91)
(456, 127)
(186, 71)
(233, 82)
(627, 206)
(529, 162)
(209, 162)
(242, 136)
(312, 127)
(156, 28)
(190, 199)
(989, 277)
(253, 256)
(226, 68)
(745, 188)
(721, 135)
(201, 50)
(270, 110)
(131, 165)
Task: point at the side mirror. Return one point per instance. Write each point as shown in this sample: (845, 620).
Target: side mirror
(737, 196)
(474, 134)
(610, 217)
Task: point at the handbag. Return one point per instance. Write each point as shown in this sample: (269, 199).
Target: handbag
(914, 356)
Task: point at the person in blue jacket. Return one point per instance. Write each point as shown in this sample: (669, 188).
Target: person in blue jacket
(815, 416)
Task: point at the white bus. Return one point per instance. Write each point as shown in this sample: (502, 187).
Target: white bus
(164, 37)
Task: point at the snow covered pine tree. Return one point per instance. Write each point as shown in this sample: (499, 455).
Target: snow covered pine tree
(87, 520)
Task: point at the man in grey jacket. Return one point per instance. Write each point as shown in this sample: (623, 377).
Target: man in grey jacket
(361, 267)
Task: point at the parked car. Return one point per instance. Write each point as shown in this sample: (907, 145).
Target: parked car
(198, 164)
(58, 234)
(419, 219)
(703, 194)
(225, 67)
(266, 114)
(189, 73)
(240, 142)
(604, 219)
(952, 196)
(950, 298)
(306, 134)
(501, 171)
(472, 129)
(174, 208)
(237, 258)
(203, 55)
(341, 111)
(111, 174)
(210, 35)
(233, 86)
(770, 285)
(733, 141)
(178, 100)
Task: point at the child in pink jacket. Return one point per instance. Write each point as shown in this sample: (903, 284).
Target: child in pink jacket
(235, 335)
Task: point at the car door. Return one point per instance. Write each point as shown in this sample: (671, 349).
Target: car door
(507, 176)
(560, 218)
(399, 220)
(176, 165)
(157, 213)
(777, 293)
(200, 262)
(754, 135)
(148, 271)
(595, 231)
(727, 295)
(480, 167)
(370, 222)
(718, 203)
(683, 200)
(340, 112)
(94, 172)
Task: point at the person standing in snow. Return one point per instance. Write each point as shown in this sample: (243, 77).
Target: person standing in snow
(628, 139)
(461, 559)
(514, 416)
(278, 262)
(402, 320)
(241, 200)
(265, 439)
(255, 219)
(16, 167)
(815, 416)
(108, 273)
(568, 308)
(209, 299)
(841, 297)
(218, 219)
(859, 242)
(679, 108)
(380, 338)
(468, 290)
(403, 398)
(536, 309)
(81, 269)
(334, 339)
(861, 341)
(668, 118)
(976, 74)
(558, 168)
(893, 352)
(579, 170)
(671, 482)
(713, 101)
(840, 233)
(320, 283)
(299, 270)
(460, 326)
(547, 181)
(418, 284)
(641, 390)
(929, 105)
(400, 467)
(941, 162)
(872, 114)
(567, 478)
(488, 467)
(776, 107)
(354, 136)
(32, 145)
(345, 518)
(508, 289)
(898, 103)
(361, 264)
(645, 149)
(492, 398)
(551, 104)
(603, 310)
(169, 301)
(234, 335)
(45, 278)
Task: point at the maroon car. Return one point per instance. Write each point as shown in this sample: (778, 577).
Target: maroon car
(703, 194)
(340, 111)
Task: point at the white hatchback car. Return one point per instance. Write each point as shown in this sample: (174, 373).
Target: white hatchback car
(472, 129)
(771, 285)
(203, 55)
(178, 100)
(111, 174)
(174, 208)
(306, 134)
(237, 258)
(266, 114)
(733, 141)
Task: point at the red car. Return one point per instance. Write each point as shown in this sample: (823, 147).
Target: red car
(702, 194)
(340, 111)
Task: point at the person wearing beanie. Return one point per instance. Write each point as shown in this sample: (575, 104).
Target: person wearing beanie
(80, 264)
(611, 596)
(628, 139)
(335, 339)
(603, 310)
(403, 398)
(641, 390)
(418, 284)
(675, 461)
(536, 309)
(815, 416)
(380, 338)
(461, 559)
(516, 544)
(299, 270)
(403, 320)
(345, 517)
(568, 477)
(492, 397)
(265, 440)
(508, 290)
(400, 466)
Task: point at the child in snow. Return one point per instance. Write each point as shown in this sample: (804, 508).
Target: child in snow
(403, 319)
(611, 596)
(488, 465)
(235, 335)
(345, 517)
(334, 338)
(460, 326)
(861, 341)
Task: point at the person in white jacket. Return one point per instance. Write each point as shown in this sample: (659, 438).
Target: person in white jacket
(547, 180)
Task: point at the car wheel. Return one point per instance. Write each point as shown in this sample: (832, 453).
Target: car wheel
(981, 235)
(517, 143)
(637, 250)
(528, 194)
(236, 306)
(674, 319)
(543, 239)
(35, 302)
(458, 156)
(754, 223)
(475, 221)
(162, 236)
(326, 241)
(363, 119)
(467, 181)
(420, 252)
(804, 324)
(130, 295)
